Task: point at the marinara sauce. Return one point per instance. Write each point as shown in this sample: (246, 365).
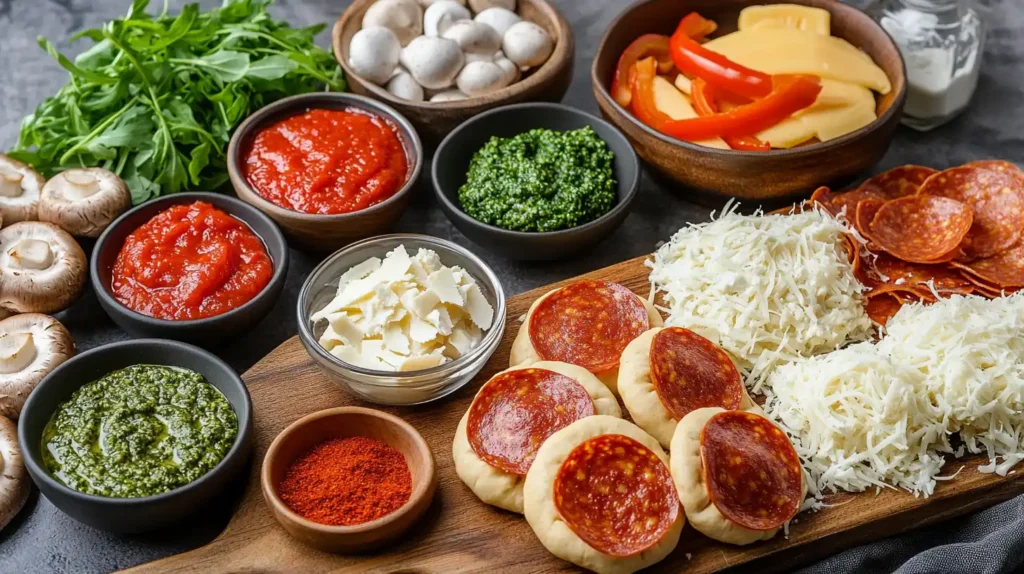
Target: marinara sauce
(190, 262)
(327, 161)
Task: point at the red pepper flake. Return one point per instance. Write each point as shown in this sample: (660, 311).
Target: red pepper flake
(347, 481)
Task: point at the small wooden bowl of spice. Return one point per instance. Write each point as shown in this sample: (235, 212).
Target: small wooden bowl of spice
(348, 479)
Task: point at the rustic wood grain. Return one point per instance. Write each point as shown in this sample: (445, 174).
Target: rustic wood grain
(461, 534)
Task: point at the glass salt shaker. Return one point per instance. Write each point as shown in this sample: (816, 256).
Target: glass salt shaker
(941, 42)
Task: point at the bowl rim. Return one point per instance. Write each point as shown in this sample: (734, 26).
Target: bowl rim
(256, 120)
(419, 491)
(622, 204)
(491, 339)
(250, 212)
(881, 120)
(565, 47)
(39, 472)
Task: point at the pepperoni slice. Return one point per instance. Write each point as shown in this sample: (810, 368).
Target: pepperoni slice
(616, 495)
(898, 182)
(516, 411)
(850, 200)
(690, 372)
(1005, 270)
(896, 273)
(751, 469)
(882, 308)
(588, 324)
(994, 199)
(921, 228)
(1003, 167)
(982, 287)
(865, 214)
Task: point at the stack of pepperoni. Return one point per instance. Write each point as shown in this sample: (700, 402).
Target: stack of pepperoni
(933, 233)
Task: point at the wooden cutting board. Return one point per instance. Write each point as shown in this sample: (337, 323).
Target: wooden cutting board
(461, 534)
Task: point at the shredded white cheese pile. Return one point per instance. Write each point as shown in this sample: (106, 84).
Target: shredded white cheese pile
(768, 289)
(404, 313)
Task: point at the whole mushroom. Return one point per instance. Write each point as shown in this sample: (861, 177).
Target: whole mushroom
(512, 73)
(448, 96)
(31, 346)
(481, 5)
(42, 268)
(479, 78)
(433, 62)
(527, 44)
(84, 201)
(428, 3)
(500, 19)
(405, 86)
(19, 190)
(403, 17)
(14, 482)
(441, 15)
(373, 54)
(474, 38)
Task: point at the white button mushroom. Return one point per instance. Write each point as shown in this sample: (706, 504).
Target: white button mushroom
(84, 202)
(481, 5)
(433, 62)
(403, 17)
(42, 268)
(448, 96)
(19, 190)
(527, 44)
(405, 86)
(429, 3)
(373, 54)
(14, 482)
(498, 18)
(473, 37)
(441, 15)
(31, 345)
(479, 78)
(512, 73)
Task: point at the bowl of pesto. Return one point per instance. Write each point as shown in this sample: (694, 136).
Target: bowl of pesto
(536, 181)
(137, 435)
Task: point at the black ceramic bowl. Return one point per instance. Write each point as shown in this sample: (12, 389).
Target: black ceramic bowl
(212, 330)
(132, 515)
(451, 162)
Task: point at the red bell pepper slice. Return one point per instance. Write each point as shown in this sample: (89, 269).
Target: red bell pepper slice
(704, 104)
(642, 88)
(647, 45)
(717, 70)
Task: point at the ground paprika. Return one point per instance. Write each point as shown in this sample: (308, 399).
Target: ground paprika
(347, 481)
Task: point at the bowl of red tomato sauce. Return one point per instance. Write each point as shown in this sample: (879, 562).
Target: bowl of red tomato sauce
(329, 168)
(194, 267)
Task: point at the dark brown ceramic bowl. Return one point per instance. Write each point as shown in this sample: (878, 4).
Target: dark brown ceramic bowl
(712, 175)
(315, 232)
(548, 83)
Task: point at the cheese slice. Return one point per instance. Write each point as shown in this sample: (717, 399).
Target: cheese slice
(786, 17)
(670, 101)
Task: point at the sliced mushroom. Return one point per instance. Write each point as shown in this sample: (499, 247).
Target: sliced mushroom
(403, 17)
(433, 62)
(441, 15)
(474, 37)
(405, 86)
(512, 73)
(14, 482)
(448, 96)
(84, 202)
(19, 190)
(31, 346)
(527, 44)
(373, 54)
(42, 268)
(479, 78)
(481, 5)
(498, 18)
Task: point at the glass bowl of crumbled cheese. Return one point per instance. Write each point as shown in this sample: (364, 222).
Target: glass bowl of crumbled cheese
(401, 319)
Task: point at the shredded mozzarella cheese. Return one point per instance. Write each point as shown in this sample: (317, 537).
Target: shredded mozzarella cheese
(767, 288)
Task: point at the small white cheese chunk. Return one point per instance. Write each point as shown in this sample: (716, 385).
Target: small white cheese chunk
(422, 331)
(343, 327)
(424, 303)
(395, 339)
(480, 311)
(361, 271)
(444, 284)
(420, 363)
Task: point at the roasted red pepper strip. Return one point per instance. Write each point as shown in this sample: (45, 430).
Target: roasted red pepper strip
(790, 95)
(642, 87)
(704, 103)
(647, 45)
(717, 70)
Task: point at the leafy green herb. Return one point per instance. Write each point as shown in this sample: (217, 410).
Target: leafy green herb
(155, 99)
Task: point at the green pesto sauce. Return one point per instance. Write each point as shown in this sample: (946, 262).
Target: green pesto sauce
(540, 180)
(139, 431)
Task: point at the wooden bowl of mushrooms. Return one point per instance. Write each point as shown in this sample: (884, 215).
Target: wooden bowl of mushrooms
(440, 62)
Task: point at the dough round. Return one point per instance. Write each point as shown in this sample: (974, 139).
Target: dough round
(496, 486)
(543, 516)
(640, 397)
(14, 482)
(523, 352)
(688, 474)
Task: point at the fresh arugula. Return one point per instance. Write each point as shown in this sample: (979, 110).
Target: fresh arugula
(155, 99)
